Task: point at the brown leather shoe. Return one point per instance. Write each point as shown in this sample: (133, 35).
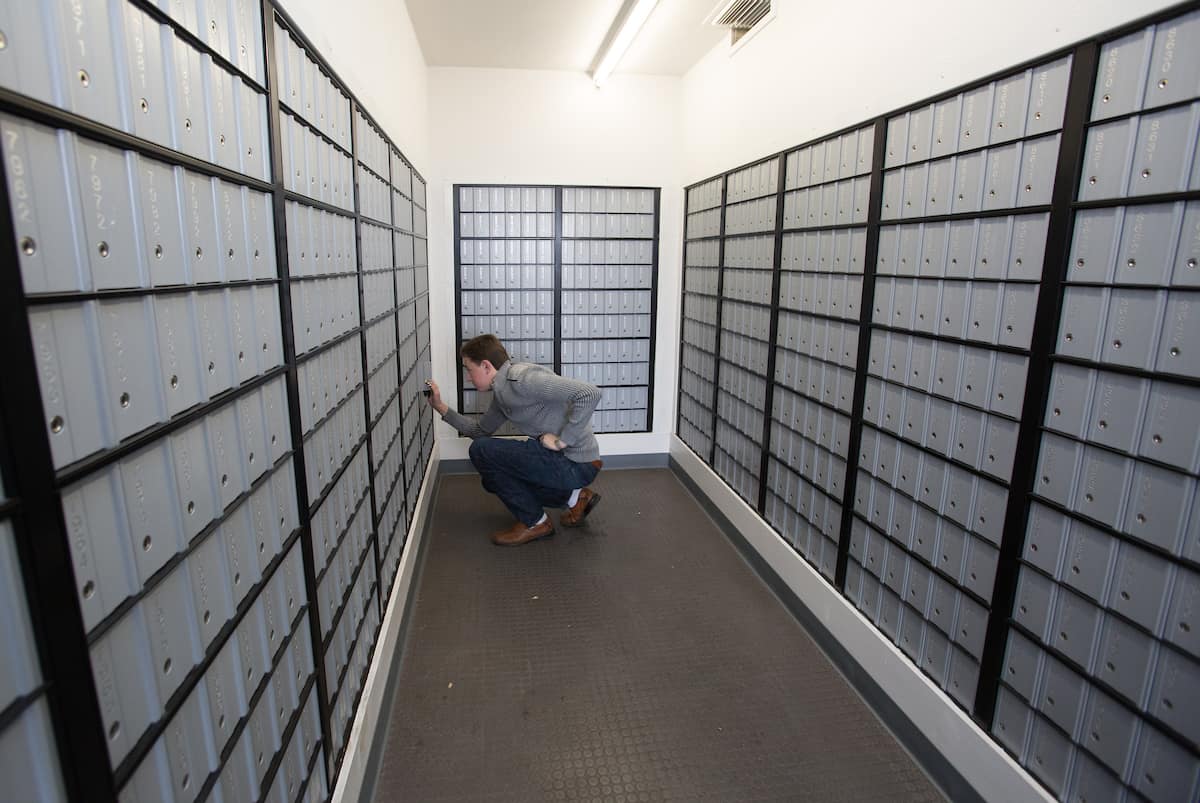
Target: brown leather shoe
(520, 534)
(574, 516)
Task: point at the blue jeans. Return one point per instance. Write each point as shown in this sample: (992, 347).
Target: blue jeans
(527, 476)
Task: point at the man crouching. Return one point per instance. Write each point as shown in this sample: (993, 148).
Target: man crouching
(559, 460)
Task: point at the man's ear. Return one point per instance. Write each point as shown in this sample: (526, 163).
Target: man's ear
(488, 364)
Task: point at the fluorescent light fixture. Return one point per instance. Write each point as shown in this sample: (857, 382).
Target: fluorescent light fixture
(617, 46)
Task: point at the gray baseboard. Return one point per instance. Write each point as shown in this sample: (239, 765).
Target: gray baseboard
(617, 461)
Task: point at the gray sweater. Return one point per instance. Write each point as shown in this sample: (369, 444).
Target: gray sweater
(537, 400)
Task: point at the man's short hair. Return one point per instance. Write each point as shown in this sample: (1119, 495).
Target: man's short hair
(485, 347)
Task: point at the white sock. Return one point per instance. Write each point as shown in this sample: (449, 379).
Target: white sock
(542, 520)
(574, 497)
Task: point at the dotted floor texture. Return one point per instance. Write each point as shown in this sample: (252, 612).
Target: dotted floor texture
(636, 658)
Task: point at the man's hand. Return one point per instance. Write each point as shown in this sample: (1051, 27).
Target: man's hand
(435, 398)
(553, 442)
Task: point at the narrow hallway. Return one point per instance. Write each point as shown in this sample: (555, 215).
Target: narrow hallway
(636, 658)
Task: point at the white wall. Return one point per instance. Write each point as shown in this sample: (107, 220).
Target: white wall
(372, 46)
(540, 127)
(819, 67)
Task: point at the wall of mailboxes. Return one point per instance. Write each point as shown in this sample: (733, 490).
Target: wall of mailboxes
(953, 357)
(567, 277)
(218, 297)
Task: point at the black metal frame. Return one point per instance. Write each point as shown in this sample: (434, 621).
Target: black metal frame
(556, 275)
(683, 268)
(687, 211)
(653, 309)
(364, 324)
(290, 359)
(773, 337)
(1045, 332)
(716, 355)
(865, 310)
(401, 474)
(42, 546)
(557, 241)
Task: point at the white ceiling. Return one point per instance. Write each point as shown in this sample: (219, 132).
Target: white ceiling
(558, 34)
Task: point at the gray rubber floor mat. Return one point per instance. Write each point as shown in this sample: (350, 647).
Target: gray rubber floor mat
(636, 658)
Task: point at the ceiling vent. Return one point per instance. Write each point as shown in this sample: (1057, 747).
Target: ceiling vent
(741, 17)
